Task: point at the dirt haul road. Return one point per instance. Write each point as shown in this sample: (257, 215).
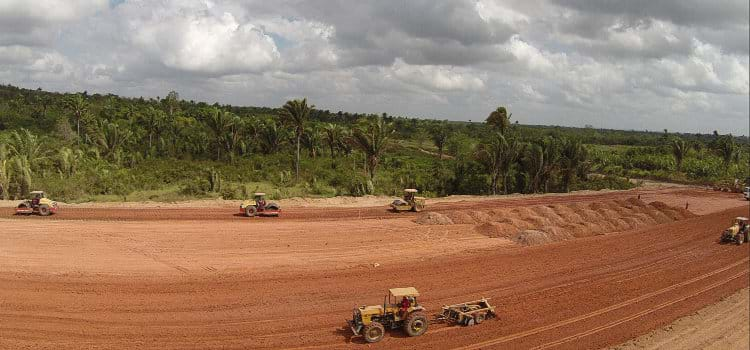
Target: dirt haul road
(112, 281)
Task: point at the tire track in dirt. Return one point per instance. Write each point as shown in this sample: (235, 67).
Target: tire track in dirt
(599, 312)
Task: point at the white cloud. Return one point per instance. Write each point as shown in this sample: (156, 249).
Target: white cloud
(443, 78)
(204, 42)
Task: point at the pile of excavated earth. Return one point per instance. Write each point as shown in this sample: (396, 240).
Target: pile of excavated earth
(540, 224)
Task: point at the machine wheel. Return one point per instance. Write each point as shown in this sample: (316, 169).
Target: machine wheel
(479, 318)
(469, 322)
(23, 206)
(416, 324)
(373, 332)
(740, 238)
(44, 210)
(250, 211)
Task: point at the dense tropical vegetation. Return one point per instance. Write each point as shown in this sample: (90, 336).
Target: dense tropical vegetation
(103, 147)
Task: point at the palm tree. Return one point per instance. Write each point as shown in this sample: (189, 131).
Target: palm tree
(573, 155)
(295, 113)
(312, 140)
(78, 106)
(271, 137)
(68, 161)
(154, 121)
(372, 137)
(440, 136)
(24, 144)
(498, 154)
(499, 120)
(679, 150)
(490, 153)
(5, 173)
(220, 122)
(728, 150)
(333, 136)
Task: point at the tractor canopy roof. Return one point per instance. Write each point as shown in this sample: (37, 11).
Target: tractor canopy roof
(404, 292)
(410, 190)
(37, 192)
(740, 218)
(259, 194)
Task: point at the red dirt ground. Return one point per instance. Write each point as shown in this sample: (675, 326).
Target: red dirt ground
(197, 279)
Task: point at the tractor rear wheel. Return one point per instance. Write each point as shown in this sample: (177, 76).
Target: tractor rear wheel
(373, 332)
(416, 324)
(43, 210)
(250, 211)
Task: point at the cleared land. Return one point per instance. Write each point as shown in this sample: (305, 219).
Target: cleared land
(175, 278)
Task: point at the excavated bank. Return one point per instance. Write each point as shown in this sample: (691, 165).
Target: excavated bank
(541, 224)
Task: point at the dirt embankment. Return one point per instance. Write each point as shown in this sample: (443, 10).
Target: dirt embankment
(542, 224)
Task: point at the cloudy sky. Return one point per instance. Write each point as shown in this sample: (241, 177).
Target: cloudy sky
(637, 64)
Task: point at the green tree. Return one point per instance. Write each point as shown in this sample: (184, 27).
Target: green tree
(499, 120)
(679, 150)
(440, 135)
(728, 150)
(296, 113)
(5, 173)
(77, 105)
(372, 137)
(498, 154)
(333, 137)
(574, 154)
(220, 122)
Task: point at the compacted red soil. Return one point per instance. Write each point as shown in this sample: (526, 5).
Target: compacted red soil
(197, 279)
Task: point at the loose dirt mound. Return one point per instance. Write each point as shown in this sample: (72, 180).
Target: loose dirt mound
(541, 224)
(431, 218)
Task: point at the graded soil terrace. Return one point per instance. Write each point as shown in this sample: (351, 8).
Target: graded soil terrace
(198, 278)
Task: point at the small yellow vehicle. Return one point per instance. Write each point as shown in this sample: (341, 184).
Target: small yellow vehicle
(38, 204)
(410, 202)
(259, 206)
(399, 310)
(738, 232)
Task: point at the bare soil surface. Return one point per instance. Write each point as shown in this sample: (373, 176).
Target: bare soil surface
(721, 326)
(207, 278)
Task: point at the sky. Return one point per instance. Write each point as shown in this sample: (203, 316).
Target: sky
(680, 65)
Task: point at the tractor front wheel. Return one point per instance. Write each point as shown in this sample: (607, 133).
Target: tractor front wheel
(416, 324)
(44, 210)
(250, 211)
(374, 332)
(740, 238)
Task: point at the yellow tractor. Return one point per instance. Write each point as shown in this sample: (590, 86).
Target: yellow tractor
(399, 310)
(410, 202)
(38, 204)
(738, 232)
(259, 206)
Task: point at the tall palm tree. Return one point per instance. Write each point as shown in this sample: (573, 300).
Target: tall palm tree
(679, 150)
(220, 122)
(5, 173)
(312, 139)
(333, 136)
(491, 153)
(728, 150)
(573, 155)
(78, 106)
(271, 137)
(372, 137)
(296, 113)
(499, 120)
(154, 121)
